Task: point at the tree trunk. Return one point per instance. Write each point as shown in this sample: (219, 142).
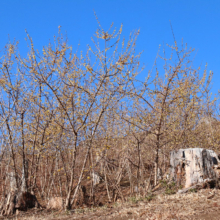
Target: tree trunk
(192, 166)
(24, 178)
(156, 167)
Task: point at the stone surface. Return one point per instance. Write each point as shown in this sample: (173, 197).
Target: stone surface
(192, 166)
(55, 203)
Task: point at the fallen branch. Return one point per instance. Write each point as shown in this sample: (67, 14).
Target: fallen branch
(198, 186)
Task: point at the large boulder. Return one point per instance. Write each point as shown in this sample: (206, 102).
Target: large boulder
(18, 201)
(193, 165)
(55, 203)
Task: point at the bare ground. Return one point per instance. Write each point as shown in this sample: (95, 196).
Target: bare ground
(204, 204)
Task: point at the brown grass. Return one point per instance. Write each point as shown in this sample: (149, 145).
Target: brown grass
(199, 205)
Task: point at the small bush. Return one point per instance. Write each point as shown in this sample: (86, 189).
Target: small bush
(133, 199)
(193, 190)
(149, 197)
(170, 188)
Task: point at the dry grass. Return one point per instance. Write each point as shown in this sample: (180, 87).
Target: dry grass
(204, 204)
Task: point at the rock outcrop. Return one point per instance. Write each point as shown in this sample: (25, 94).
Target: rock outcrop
(193, 166)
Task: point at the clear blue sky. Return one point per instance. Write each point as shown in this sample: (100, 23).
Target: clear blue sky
(197, 22)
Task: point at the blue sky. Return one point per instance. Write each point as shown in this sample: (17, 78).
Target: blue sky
(194, 21)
